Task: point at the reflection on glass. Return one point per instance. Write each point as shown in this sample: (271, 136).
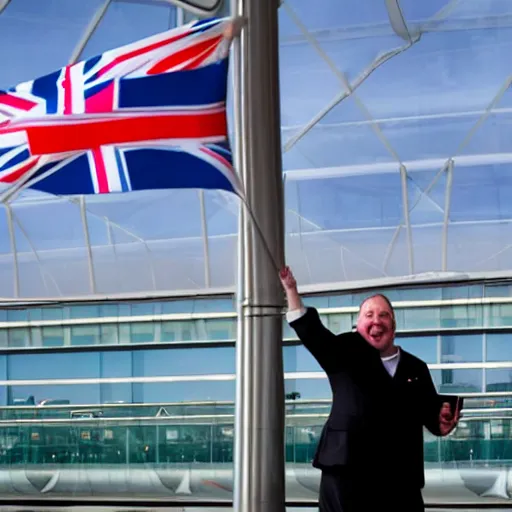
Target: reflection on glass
(461, 348)
(462, 316)
(499, 347)
(499, 315)
(85, 335)
(19, 337)
(424, 347)
(498, 380)
(458, 381)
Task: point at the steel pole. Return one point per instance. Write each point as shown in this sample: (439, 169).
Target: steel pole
(259, 437)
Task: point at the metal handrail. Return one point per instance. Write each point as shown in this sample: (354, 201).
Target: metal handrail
(209, 403)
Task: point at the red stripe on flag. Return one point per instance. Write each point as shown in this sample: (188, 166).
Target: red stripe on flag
(101, 171)
(68, 94)
(183, 56)
(102, 101)
(81, 136)
(141, 51)
(16, 175)
(201, 58)
(14, 101)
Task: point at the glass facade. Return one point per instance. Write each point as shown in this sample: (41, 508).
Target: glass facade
(150, 386)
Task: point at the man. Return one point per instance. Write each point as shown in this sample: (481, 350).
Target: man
(371, 448)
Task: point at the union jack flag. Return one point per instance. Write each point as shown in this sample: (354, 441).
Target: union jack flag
(149, 115)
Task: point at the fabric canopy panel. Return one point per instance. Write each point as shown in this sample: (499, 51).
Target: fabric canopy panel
(396, 155)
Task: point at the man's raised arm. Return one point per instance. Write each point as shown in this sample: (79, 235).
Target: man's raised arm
(306, 322)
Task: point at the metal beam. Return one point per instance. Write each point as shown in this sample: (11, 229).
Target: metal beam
(89, 31)
(391, 167)
(447, 205)
(88, 248)
(12, 237)
(259, 464)
(4, 4)
(397, 21)
(407, 220)
(206, 248)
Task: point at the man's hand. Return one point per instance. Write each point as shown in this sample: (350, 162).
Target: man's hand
(447, 420)
(290, 288)
(234, 28)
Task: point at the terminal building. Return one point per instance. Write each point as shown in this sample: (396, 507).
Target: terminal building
(119, 312)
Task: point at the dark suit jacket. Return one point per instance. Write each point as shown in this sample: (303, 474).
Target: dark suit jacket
(376, 421)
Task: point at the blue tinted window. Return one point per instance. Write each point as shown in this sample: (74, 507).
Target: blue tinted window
(498, 380)
(458, 381)
(184, 361)
(85, 335)
(309, 389)
(52, 336)
(59, 365)
(84, 311)
(17, 315)
(461, 348)
(424, 347)
(499, 347)
(298, 359)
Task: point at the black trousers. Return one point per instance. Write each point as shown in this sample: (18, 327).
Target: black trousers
(342, 491)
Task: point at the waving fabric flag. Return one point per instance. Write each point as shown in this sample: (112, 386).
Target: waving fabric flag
(149, 115)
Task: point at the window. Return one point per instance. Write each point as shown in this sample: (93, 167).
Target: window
(298, 359)
(424, 347)
(499, 347)
(52, 336)
(461, 348)
(462, 316)
(85, 335)
(500, 315)
(458, 381)
(417, 318)
(18, 337)
(497, 380)
(143, 332)
(220, 329)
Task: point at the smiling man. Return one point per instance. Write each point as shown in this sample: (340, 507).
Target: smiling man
(371, 448)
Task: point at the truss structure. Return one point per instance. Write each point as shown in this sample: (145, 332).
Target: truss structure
(396, 153)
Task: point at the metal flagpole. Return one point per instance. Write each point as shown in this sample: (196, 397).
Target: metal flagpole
(259, 424)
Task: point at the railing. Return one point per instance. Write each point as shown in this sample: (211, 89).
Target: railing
(184, 451)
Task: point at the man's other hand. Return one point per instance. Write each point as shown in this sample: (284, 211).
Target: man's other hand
(447, 419)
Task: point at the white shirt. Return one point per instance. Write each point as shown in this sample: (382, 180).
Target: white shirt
(390, 362)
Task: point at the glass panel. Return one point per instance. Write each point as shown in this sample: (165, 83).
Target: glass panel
(91, 311)
(19, 337)
(147, 308)
(500, 315)
(340, 323)
(220, 329)
(143, 332)
(462, 316)
(297, 358)
(498, 380)
(109, 334)
(458, 381)
(462, 348)
(417, 318)
(424, 347)
(52, 336)
(308, 389)
(499, 347)
(17, 315)
(184, 361)
(85, 335)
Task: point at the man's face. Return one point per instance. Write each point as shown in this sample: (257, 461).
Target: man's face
(376, 325)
